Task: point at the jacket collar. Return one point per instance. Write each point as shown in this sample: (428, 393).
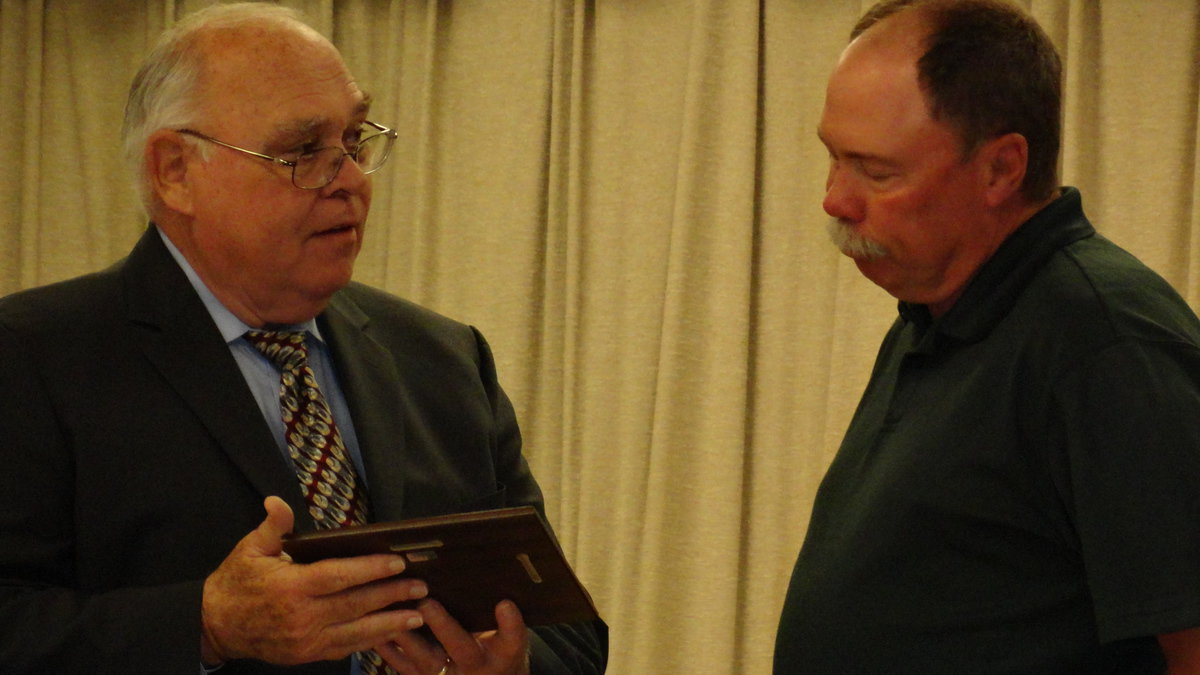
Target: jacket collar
(178, 335)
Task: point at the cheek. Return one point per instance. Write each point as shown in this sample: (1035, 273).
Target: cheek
(891, 220)
(272, 216)
(910, 217)
(255, 239)
(232, 214)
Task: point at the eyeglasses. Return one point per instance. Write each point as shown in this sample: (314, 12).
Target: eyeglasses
(315, 169)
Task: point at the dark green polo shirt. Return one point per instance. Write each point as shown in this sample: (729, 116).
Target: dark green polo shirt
(1019, 489)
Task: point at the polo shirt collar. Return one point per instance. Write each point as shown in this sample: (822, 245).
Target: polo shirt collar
(994, 290)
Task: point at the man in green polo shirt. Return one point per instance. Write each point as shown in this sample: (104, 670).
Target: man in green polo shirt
(1019, 489)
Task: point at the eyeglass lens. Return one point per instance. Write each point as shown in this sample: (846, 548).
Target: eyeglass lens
(321, 167)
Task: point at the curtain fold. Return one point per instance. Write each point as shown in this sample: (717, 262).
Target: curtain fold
(699, 392)
(625, 197)
(20, 131)
(557, 297)
(1191, 280)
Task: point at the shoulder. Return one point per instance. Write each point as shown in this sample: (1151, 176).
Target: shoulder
(59, 331)
(383, 309)
(1100, 292)
(1093, 313)
(399, 322)
(49, 309)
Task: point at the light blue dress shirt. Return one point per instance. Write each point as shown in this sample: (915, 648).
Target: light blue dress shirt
(263, 378)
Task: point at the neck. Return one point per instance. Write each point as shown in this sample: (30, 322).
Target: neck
(1009, 221)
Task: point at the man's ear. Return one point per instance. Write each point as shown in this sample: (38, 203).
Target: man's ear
(167, 158)
(1005, 160)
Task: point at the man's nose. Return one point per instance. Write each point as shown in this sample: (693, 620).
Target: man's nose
(841, 196)
(349, 177)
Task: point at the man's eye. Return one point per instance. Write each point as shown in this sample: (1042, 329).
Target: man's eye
(875, 173)
(302, 150)
(351, 140)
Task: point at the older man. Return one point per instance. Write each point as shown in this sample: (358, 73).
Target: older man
(143, 424)
(1017, 490)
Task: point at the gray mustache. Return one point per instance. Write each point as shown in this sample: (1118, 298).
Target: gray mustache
(852, 243)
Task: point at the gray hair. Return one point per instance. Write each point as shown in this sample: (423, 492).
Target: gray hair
(164, 93)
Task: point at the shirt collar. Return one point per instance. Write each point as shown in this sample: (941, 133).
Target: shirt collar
(227, 322)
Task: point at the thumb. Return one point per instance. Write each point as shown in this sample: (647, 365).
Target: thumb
(511, 637)
(267, 538)
(510, 624)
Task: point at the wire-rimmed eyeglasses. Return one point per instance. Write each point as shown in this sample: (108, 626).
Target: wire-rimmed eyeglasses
(317, 168)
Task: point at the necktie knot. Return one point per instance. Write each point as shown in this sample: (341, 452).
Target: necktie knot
(286, 349)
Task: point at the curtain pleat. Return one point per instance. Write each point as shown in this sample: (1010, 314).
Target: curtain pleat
(625, 197)
(20, 132)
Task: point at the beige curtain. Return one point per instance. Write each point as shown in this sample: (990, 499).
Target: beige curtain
(624, 195)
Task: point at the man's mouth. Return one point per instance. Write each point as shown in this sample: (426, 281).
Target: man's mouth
(336, 230)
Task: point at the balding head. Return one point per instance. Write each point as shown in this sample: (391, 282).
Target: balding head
(232, 103)
(987, 69)
(166, 92)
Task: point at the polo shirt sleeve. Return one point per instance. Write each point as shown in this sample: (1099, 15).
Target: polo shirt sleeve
(1128, 417)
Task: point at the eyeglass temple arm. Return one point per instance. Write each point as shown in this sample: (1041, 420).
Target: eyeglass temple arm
(277, 160)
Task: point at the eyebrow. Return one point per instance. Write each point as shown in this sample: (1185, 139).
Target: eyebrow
(852, 155)
(289, 131)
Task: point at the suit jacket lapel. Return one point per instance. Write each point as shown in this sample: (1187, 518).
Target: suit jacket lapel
(177, 334)
(371, 385)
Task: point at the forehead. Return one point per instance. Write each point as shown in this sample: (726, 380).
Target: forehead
(871, 100)
(873, 104)
(276, 77)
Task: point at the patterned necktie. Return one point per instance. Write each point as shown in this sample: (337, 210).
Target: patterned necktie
(327, 477)
(326, 473)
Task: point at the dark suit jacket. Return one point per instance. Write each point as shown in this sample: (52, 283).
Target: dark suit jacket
(134, 457)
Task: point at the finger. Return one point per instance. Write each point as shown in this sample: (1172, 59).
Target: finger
(366, 632)
(426, 655)
(389, 594)
(267, 538)
(460, 645)
(374, 598)
(397, 659)
(334, 575)
(510, 623)
(512, 637)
